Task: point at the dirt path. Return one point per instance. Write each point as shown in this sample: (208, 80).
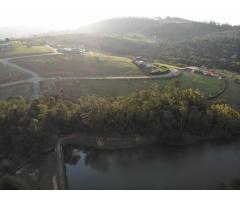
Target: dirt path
(36, 79)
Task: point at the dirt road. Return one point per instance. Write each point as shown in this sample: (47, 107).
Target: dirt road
(36, 79)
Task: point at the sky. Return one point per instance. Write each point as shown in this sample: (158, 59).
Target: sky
(71, 14)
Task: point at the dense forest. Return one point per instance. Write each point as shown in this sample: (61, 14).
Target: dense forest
(219, 50)
(167, 112)
(168, 29)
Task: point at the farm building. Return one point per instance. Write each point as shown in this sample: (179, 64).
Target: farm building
(204, 71)
(146, 66)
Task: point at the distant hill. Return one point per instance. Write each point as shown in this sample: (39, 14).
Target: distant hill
(168, 29)
(220, 50)
(216, 50)
(18, 32)
(171, 39)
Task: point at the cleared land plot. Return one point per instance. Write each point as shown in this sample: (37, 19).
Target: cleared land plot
(91, 64)
(163, 64)
(208, 85)
(161, 67)
(9, 74)
(24, 50)
(76, 88)
(24, 90)
(232, 94)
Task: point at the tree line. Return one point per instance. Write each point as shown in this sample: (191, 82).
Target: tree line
(168, 112)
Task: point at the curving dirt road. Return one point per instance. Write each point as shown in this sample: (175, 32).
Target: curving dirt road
(36, 79)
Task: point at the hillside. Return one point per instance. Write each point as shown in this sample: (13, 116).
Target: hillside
(174, 40)
(18, 32)
(218, 50)
(168, 29)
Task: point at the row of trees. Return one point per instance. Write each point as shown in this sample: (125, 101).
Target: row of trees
(167, 112)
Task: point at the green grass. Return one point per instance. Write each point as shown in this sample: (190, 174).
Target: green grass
(76, 88)
(232, 94)
(24, 90)
(116, 61)
(207, 85)
(133, 37)
(22, 50)
(9, 74)
(91, 64)
(170, 66)
(161, 67)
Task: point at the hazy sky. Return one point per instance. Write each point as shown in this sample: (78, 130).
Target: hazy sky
(69, 14)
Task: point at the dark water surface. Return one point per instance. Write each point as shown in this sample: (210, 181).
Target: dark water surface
(208, 165)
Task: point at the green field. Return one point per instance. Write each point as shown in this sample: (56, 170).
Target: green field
(24, 50)
(76, 88)
(207, 85)
(164, 64)
(24, 90)
(163, 68)
(9, 74)
(91, 64)
(232, 94)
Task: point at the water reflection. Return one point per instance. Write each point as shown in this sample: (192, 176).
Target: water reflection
(199, 166)
(72, 155)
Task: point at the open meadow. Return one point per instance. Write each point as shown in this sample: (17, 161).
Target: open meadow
(24, 90)
(22, 50)
(207, 85)
(90, 64)
(9, 74)
(73, 89)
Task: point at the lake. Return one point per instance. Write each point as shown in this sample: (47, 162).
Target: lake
(205, 165)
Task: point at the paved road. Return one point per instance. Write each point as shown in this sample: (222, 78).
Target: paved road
(36, 79)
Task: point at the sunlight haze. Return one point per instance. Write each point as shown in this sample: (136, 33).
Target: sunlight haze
(71, 14)
(120, 95)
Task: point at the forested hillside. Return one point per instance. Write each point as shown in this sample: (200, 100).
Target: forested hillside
(168, 29)
(218, 50)
(178, 40)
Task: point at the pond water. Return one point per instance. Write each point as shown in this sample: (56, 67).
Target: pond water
(208, 165)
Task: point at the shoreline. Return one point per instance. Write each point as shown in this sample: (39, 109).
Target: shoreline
(111, 144)
(58, 179)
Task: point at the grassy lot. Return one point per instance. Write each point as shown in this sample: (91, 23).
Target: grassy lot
(24, 50)
(158, 62)
(91, 64)
(24, 90)
(161, 67)
(9, 74)
(76, 88)
(207, 85)
(232, 94)
(133, 37)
